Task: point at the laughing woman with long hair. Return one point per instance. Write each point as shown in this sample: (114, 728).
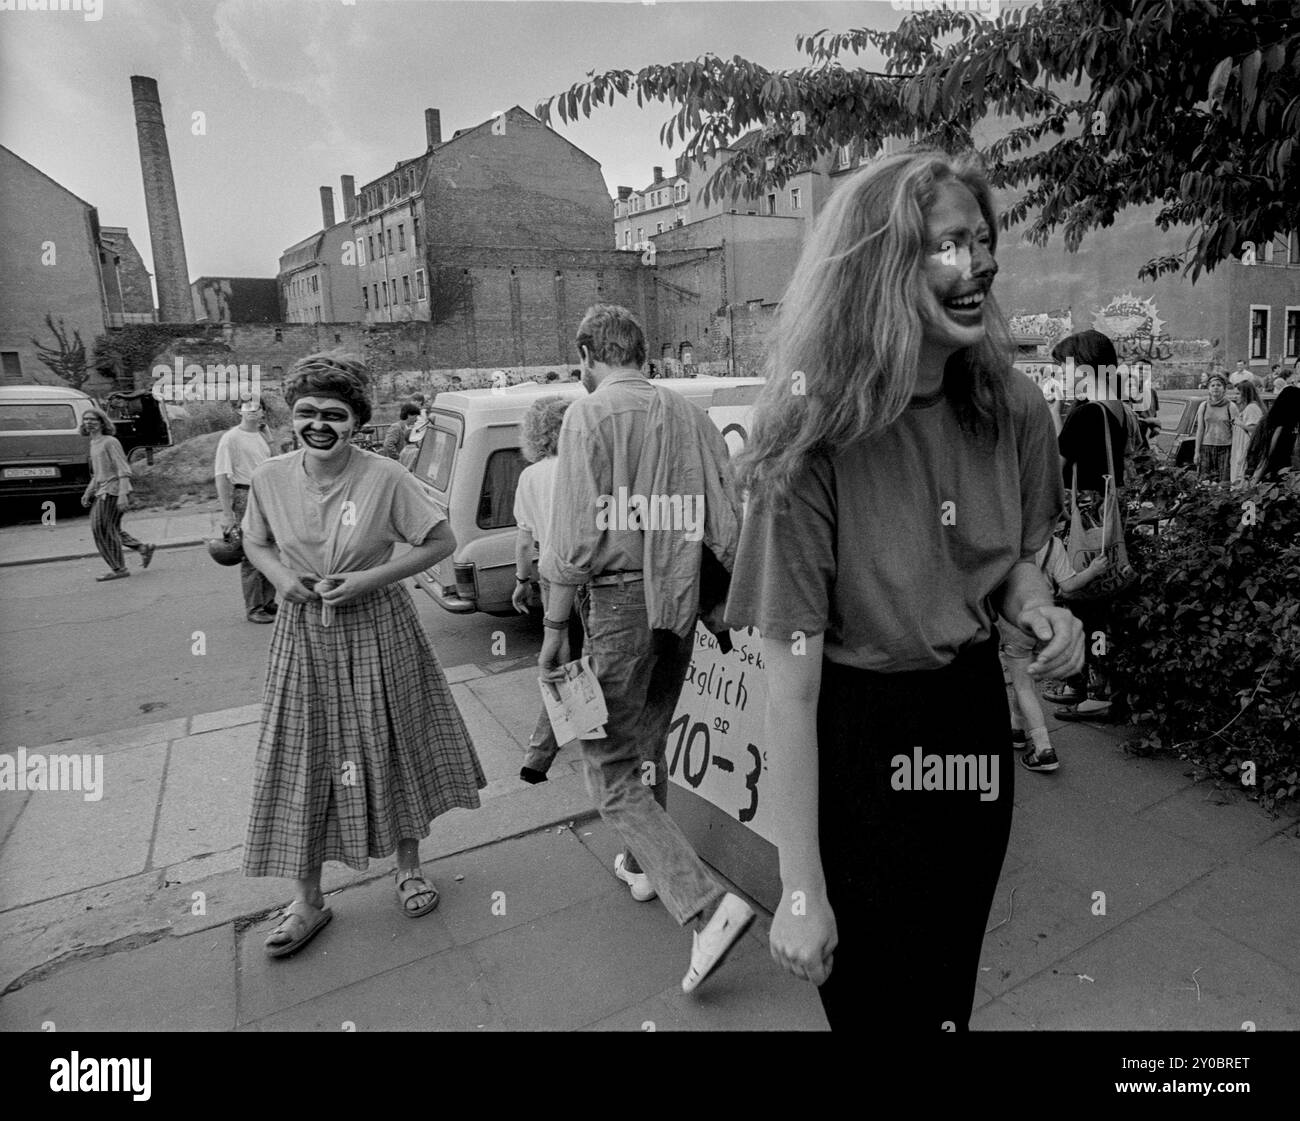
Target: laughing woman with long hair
(901, 475)
(361, 743)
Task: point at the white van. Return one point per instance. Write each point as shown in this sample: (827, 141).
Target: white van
(470, 459)
(42, 451)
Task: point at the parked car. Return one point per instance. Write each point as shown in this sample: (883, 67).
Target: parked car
(471, 462)
(42, 451)
(1180, 442)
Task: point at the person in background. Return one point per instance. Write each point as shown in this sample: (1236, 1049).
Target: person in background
(1148, 418)
(1280, 382)
(1250, 412)
(539, 437)
(109, 491)
(1240, 374)
(1028, 724)
(575, 375)
(241, 451)
(1204, 381)
(1214, 421)
(890, 404)
(399, 432)
(1281, 436)
(361, 743)
(643, 602)
(552, 376)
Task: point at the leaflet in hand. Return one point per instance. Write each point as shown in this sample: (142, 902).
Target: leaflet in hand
(576, 706)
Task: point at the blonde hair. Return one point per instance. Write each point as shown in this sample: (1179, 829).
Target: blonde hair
(847, 335)
(539, 434)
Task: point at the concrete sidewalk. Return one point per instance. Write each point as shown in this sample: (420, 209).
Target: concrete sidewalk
(1195, 926)
(71, 539)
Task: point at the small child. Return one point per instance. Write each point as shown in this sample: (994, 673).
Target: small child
(1018, 649)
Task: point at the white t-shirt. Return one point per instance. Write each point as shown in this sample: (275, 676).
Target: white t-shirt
(533, 496)
(1238, 376)
(239, 454)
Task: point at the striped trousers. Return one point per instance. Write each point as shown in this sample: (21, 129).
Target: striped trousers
(110, 537)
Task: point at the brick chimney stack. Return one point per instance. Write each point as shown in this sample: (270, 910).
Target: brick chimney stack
(171, 272)
(327, 206)
(433, 127)
(349, 186)
(624, 193)
(659, 174)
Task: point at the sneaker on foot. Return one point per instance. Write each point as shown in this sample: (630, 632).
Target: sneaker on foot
(1040, 761)
(121, 574)
(639, 882)
(1062, 694)
(710, 947)
(257, 615)
(146, 555)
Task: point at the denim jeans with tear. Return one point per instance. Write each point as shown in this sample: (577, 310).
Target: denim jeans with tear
(641, 673)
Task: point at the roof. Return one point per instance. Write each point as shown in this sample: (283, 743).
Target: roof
(13, 393)
(88, 205)
(510, 406)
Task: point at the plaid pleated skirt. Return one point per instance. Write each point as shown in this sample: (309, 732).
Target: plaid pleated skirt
(361, 743)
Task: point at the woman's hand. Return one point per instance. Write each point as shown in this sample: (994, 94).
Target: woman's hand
(291, 588)
(519, 598)
(86, 501)
(804, 937)
(1063, 634)
(1098, 564)
(345, 587)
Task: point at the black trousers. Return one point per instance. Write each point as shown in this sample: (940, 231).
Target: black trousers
(910, 873)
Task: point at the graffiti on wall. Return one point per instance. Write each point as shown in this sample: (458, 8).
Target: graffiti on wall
(1135, 327)
(1050, 326)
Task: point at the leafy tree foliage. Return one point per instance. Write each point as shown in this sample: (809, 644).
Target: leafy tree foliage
(1190, 105)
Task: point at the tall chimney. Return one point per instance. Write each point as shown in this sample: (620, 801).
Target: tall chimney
(171, 272)
(625, 192)
(659, 174)
(327, 206)
(349, 195)
(433, 127)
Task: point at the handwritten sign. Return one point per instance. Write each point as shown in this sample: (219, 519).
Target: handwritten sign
(715, 742)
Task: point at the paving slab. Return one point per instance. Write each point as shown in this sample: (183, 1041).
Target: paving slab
(583, 964)
(466, 672)
(502, 886)
(176, 984)
(207, 795)
(441, 992)
(367, 936)
(225, 718)
(1235, 823)
(513, 698)
(96, 841)
(1145, 975)
(500, 753)
(124, 739)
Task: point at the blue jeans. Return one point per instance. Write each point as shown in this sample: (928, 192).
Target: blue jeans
(641, 673)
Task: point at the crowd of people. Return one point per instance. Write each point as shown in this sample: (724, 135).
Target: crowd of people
(911, 511)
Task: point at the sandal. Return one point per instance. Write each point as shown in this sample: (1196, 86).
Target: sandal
(421, 886)
(301, 923)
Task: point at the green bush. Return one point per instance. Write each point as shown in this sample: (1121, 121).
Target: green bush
(1206, 650)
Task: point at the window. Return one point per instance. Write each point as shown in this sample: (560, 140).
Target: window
(640, 234)
(406, 289)
(419, 284)
(659, 227)
(771, 204)
(390, 239)
(627, 239)
(401, 236)
(315, 283)
(496, 502)
(337, 337)
(381, 243)
(279, 335)
(436, 464)
(844, 156)
(1258, 332)
(1292, 339)
(365, 297)
(681, 221)
(370, 240)
(1293, 242)
(393, 282)
(796, 199)
(376, 288)
(415, 232)
(686, 354)
(385, 295)
(36, 418)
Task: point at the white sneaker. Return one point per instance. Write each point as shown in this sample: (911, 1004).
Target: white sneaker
(710, 947)
(639, 882)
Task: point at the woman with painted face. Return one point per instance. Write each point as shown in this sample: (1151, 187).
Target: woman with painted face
(361, 743)
(108, 496)
(902, 475)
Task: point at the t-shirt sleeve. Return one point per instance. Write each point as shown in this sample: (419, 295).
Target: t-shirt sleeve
(1042, 497)
(786, 562)
(254, 526)
(414, 513)
(523, 519)
(221, 464)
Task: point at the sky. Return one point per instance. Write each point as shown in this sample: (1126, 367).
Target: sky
(296, 93)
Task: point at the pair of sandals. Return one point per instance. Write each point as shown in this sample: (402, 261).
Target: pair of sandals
(301, 922)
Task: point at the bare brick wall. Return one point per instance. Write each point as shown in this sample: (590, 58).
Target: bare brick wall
(126, 280)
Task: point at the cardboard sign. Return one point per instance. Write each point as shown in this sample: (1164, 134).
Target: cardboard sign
(715, 742)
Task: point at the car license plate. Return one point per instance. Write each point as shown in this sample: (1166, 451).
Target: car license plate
(31, 473)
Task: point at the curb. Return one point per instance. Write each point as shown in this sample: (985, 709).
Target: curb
(87, 556)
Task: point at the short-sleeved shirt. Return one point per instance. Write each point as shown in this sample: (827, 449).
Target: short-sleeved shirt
(1218, 423)
(349, 525)
(109, 469)
(239, 454)
(1083, 443)
(869, 550)
(534, 495)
